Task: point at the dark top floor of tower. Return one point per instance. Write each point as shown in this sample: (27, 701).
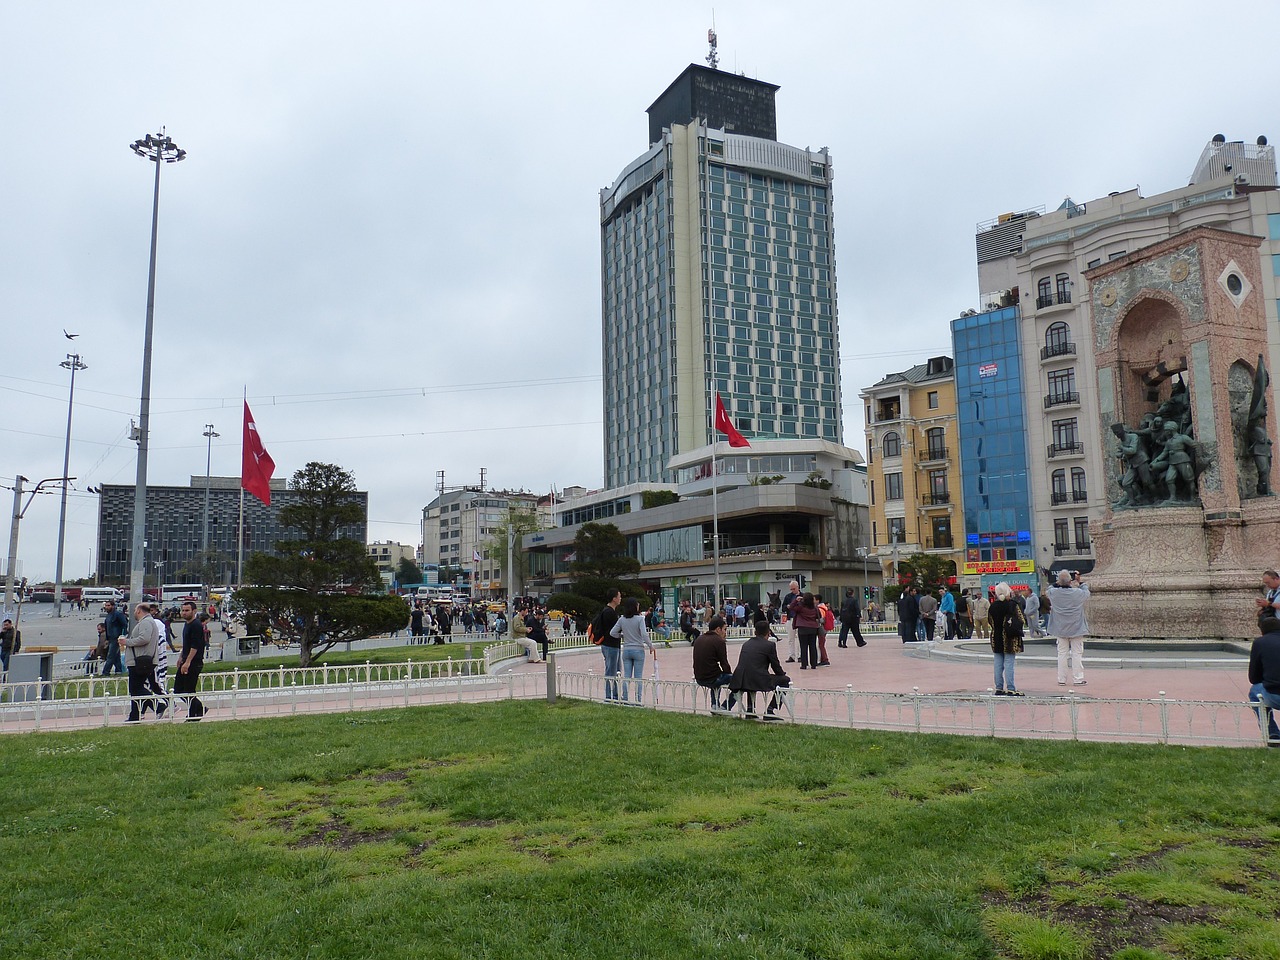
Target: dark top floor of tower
(726, 101)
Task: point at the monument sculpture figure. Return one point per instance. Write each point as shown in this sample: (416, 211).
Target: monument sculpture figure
(1256, 435)
(1161, 456)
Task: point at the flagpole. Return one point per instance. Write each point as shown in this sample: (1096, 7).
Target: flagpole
(244, 399)
(715, 520)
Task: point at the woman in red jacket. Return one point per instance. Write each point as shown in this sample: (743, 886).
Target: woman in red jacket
(808, 620)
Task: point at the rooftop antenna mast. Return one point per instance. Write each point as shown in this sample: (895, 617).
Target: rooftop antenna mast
(713, 58)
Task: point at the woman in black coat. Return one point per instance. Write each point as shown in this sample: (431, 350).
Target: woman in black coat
(1007, 628)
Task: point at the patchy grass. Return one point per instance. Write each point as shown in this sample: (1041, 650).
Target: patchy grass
(522, 830)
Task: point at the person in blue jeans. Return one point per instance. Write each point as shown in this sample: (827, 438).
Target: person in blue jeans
(633, 633)
(1264, 675)
(1007, 631)
(117, 624)
(601, 630)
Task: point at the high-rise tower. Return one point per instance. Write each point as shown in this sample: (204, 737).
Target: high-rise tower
(718, 274)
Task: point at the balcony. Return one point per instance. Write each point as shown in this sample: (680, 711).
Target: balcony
(1067, 549)
(1079, 496)
(1062, 398)
(1057, 350)
(936, 499)
(888, 412)
(938, 543)
(1053, 299)
(1058, 499)
(931, 454)
(1059, 450)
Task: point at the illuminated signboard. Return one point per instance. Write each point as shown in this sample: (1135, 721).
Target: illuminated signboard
(1000, 566)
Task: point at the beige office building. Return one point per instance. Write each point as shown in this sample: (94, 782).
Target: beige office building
(913, 464)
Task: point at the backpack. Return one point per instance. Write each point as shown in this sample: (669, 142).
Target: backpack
(595, 633)
(828, 618)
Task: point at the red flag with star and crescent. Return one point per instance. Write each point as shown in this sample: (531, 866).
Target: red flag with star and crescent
(256, 466)
(725, 425)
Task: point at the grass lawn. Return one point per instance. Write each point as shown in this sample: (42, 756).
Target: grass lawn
(526, 831)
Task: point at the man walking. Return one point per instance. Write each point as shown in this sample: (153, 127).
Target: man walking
(140, 659)
(10, 642)
(793, 594)
(850, 615)
(191, 660)
(117, 625)
(1031, 608)
(1264, 675)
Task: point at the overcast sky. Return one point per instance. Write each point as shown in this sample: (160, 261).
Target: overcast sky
(387, 227)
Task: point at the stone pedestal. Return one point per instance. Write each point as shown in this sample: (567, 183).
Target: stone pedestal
(1173, 573)
(1183, 312)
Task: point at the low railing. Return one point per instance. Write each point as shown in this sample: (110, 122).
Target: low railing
(1065, 450)
(363, 687)
(1052, 299)
(1049, 351)
(932, 453)
(1061, 398)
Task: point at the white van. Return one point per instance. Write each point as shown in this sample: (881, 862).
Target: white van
(100, 594)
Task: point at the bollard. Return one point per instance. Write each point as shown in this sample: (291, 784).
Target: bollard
(467, 653)
(551, 678)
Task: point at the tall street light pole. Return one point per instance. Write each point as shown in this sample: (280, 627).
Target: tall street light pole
(208, 434)
(72, 363)
(158, 149)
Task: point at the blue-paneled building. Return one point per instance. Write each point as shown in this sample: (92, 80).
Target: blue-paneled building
(993, 449)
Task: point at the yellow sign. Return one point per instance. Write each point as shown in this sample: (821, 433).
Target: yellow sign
(1000, 566)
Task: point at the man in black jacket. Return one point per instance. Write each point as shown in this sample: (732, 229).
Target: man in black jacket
(610, 646)
(908, 615)
(711, 662)
(1264, 675)
(758, 670)
(850, 615)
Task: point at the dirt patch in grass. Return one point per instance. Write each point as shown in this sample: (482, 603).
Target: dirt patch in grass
(338, 835)
(1118, 919)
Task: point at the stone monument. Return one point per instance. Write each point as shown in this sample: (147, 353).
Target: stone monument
(1183, 393)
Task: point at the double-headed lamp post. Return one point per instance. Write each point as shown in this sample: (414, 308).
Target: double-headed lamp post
(208, 434)
(72, 363)
(159, 149)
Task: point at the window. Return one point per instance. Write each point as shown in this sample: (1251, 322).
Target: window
(933, 399)
(1063, 282)
(897, 530)
(1058, 481)
(892, 445)
(1079, 493)
(1057, 340)
(893, 486)
(1082, 533)
(936, 443)
(941, 532)
(938, 486)
(1061, 537)
(1065, 435)
(1043, 292)
(1062, 387)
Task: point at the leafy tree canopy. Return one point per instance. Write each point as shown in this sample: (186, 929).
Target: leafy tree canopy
(315, 591)
(408, 572)
(601, 551)
(927, 571)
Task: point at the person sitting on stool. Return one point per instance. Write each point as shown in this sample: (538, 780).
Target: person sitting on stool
(759, 670)
(711, 661)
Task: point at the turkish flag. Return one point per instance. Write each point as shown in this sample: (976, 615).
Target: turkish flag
(725, 425)
(256, 466)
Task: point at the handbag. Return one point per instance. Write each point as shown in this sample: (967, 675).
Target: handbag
(145, 664)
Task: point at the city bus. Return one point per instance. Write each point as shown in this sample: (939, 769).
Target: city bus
(171, 593)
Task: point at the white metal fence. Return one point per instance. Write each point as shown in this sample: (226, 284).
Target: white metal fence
(284, 691)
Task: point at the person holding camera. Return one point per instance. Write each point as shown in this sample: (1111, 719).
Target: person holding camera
(1067, 623)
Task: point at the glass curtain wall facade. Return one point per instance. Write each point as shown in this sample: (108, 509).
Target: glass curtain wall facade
(993, 448)
(717, 260)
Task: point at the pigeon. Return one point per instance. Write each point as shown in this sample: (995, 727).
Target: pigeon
(69, 336)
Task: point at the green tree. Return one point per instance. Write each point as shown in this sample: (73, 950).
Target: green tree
(600, 550)
(519, 522)
(927, 571)
(317, 590)
(408, 572)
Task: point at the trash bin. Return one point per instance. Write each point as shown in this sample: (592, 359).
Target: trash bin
(26, 673)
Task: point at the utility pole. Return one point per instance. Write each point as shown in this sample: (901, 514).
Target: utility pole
(72, 363)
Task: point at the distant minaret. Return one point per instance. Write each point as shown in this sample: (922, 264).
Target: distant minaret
(713, 58)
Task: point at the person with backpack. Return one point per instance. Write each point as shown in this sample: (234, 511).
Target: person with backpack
(828, 624)
(600, 632)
